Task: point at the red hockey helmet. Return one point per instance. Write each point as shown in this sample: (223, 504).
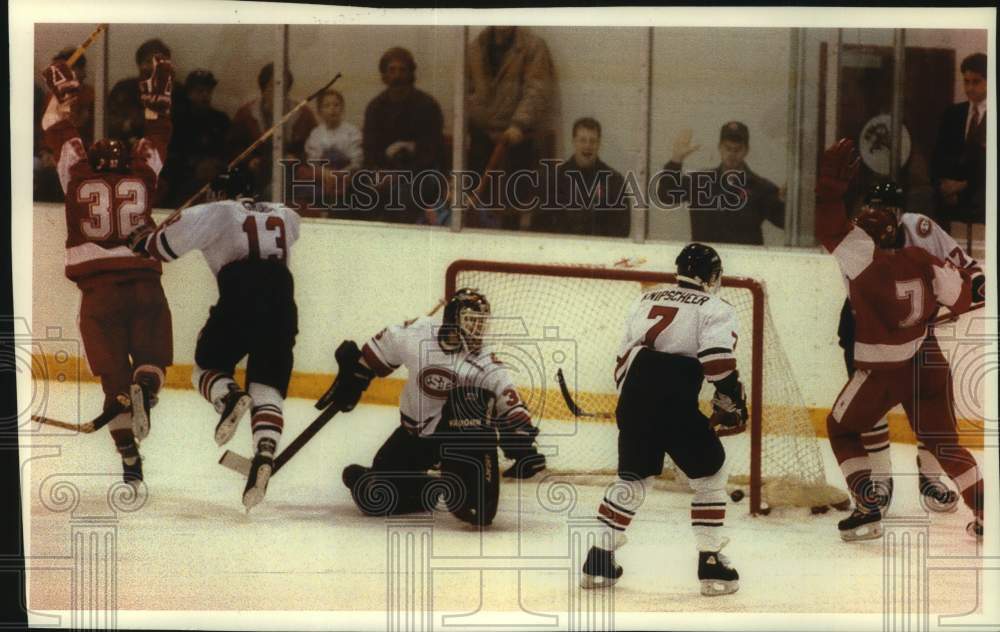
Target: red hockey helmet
(880, 223)
(109, 154)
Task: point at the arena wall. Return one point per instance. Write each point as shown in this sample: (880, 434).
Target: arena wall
(353, 278)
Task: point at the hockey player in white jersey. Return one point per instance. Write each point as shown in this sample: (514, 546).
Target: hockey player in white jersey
(913, 229)
(457, 399)
(246, 244)
(674, 338)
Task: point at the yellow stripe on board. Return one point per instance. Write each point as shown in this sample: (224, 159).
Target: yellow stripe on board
(386, 391)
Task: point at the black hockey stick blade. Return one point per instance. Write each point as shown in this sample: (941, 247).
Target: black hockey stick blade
(241, 464)
(573, 408)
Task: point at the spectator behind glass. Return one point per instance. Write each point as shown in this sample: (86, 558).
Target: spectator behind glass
(197, 150)
(339, 144)
(47, 186)
(587, 192)
(403, 131)
(958, 165)
(723, 210)
(256, 117)
(509, 79)
(125, 112)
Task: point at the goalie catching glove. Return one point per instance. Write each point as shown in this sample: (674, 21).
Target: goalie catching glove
(351, 381)
(155, 91)
(729, 406)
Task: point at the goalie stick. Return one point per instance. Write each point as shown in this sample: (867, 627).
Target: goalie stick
(722, 431)
(241, 464)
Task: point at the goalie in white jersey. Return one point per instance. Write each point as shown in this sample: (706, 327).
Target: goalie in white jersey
(674, 338)
(457, 403)
(913, 229)
(246, 244)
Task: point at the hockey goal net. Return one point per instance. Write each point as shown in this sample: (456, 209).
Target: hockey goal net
(548, 318)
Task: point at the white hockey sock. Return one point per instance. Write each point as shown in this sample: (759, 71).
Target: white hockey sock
(621, 501)
(266, 421)
(212, 385)
(876, 442)
(927, 463)
(708, 510)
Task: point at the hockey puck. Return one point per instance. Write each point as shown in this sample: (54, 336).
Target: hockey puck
(736, 495)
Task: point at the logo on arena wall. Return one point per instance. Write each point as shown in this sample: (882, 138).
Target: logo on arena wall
(437, 381)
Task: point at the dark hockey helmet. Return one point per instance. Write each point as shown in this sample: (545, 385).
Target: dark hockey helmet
(109, 154)
(467, 313)
(887, 195)
(700, 265)
(880, 223)
(234, 184)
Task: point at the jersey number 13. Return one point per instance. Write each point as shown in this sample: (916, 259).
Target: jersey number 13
(266, 239)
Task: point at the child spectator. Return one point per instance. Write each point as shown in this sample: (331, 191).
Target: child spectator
(333, 139)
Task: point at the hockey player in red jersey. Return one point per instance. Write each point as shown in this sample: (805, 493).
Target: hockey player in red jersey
(246, 243)
(894, 294)
(919, 231)
(124, 316)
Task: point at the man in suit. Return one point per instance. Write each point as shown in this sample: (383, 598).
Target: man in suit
(958, 165)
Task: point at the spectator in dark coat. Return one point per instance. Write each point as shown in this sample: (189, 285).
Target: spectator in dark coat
(729, 203)
(587, 193)
(198, 146)
(958, 164)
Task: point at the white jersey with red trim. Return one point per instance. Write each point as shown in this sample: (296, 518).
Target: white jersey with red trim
(681, 321)
(434, 371)
(924, 233)
(227, 231)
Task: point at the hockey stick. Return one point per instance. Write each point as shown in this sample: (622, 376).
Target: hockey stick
(573, 408)
(85, 428)
(78, 53)
(254, 145)
(241, 464)
(952, 317)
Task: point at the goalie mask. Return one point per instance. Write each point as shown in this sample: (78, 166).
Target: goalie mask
(467, 314)
(109, 154)
(700, 265)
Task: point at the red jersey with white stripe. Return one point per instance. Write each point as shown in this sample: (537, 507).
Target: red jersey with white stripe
(681, 321)
(894, 293)
(227, 231)
(435, 370)
(102, 208)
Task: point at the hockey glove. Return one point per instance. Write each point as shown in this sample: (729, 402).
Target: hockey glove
(519, 444)
(61, 81)
(352, 379)
(729, 406)
(155, 92)
(138, 239)
(837, 169)
(978, 289)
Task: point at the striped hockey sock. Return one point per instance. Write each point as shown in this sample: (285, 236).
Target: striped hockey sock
(876, 442)
(212, 384)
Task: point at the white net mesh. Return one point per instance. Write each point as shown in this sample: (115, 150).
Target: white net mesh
(543, 323)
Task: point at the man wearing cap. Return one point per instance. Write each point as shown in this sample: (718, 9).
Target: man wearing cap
(729, 203)
(198, 147)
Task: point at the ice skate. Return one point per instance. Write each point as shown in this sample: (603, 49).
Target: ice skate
(260, 473)
(132, 474)
(600, 570)
(231, 407)
(861, 525)
(935, 495)
(142, 400)
(715, 573)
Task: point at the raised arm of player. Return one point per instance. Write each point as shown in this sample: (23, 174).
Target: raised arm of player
(61, 136)
(155, 93)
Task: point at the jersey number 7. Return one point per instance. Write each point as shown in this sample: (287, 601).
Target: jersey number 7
(664, 316)
(275, 249)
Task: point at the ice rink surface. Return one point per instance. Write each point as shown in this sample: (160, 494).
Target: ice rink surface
(187, 544)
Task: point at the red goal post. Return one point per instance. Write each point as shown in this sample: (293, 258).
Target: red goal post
(588, 304)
